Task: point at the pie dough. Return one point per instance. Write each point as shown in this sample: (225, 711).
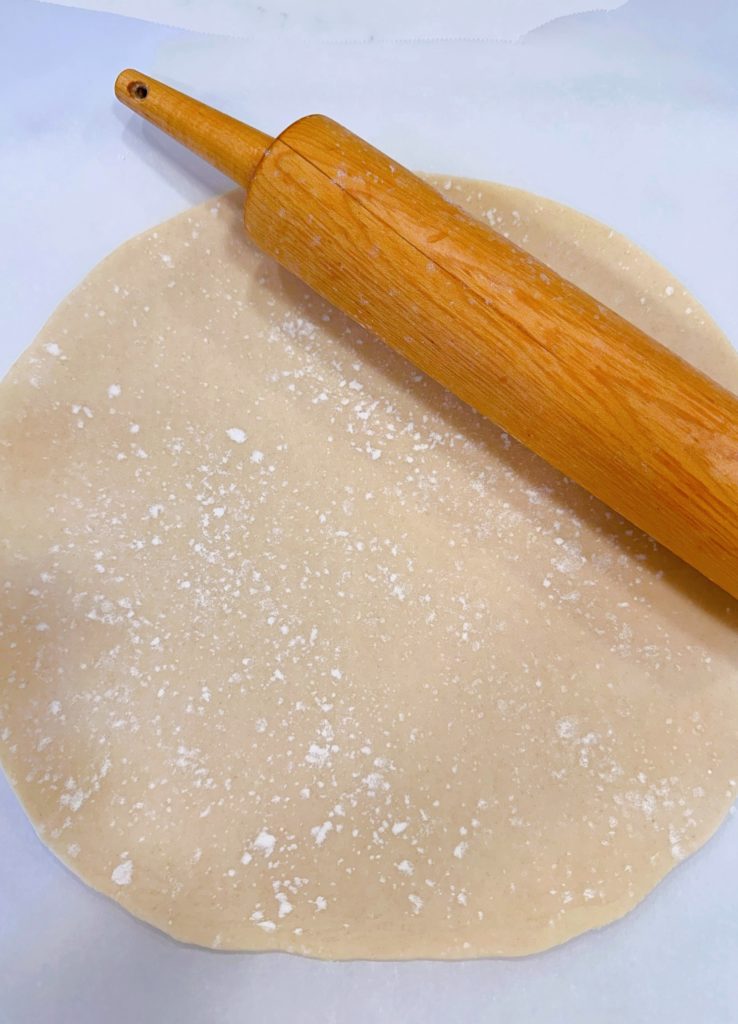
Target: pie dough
(301, 653)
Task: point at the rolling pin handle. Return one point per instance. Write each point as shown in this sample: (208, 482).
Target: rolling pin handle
(234, 148)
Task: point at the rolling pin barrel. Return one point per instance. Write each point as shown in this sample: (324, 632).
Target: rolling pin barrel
(612, 408)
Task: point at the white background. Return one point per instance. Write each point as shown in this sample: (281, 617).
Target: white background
(630, 115)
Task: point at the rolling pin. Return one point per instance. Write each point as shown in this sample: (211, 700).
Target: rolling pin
(589, 392)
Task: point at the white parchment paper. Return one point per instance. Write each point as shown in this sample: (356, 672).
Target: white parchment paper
(338, 20)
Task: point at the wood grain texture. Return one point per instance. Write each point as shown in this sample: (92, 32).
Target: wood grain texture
(616, 411)
(590, 393)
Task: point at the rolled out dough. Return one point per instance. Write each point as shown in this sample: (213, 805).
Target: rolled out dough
(300, 653)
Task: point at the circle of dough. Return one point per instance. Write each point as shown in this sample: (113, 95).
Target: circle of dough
(301, 653)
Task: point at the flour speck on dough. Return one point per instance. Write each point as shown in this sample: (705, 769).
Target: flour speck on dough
(123, 873)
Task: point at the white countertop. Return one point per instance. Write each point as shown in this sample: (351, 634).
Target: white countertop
(630, 115)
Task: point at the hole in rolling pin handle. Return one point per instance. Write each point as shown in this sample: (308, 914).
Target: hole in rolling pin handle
(139, 90)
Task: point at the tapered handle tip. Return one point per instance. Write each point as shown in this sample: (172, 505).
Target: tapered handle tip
(131, 87)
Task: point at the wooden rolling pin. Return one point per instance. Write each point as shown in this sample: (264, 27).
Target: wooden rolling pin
(613, 409)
